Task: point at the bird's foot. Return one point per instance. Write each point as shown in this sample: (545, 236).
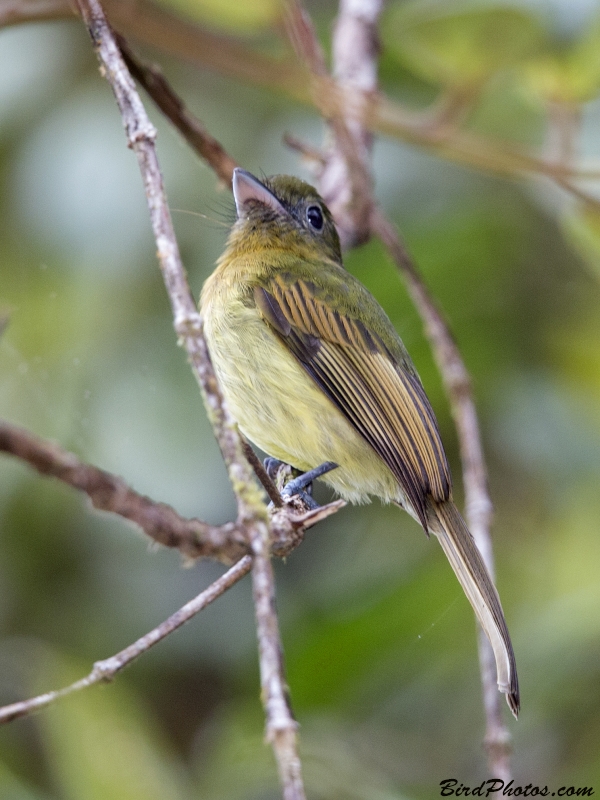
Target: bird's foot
(300, 486)
(272, 467)
(305, 479)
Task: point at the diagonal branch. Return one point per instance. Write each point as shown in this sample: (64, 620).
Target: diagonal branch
(478, 505)
(355, 65)
(192, 537)
(159, 521)
(173, 107)
(106, 670)
(252, 513)
(454, 373)
(157, 27)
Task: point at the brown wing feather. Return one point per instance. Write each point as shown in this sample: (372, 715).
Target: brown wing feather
(383, 401)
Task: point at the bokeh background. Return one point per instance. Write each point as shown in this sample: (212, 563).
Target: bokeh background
(380, 641)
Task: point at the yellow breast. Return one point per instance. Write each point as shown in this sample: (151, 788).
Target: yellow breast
(276, 403)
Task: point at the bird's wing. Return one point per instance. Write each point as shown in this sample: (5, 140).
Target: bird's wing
(372, 382)
(381, 398)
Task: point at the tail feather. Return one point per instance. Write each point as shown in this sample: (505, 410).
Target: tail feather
(468, 565)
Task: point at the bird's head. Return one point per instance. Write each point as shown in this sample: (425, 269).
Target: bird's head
(283, 211)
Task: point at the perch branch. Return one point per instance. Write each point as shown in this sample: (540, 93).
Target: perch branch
(456, 381)
(107, 492)
(106, 670)
(252, 513)
(192, 537)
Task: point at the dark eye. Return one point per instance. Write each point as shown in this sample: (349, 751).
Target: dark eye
(314, 215)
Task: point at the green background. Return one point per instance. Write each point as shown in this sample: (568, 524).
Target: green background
(380, 641)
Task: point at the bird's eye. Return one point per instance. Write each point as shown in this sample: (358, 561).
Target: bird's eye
(314, 215)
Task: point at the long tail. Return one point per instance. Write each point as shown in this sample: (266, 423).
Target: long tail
(465, 558)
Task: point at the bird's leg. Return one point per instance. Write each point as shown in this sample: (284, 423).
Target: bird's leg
(300, 486)
(304, 480)
(282, 475)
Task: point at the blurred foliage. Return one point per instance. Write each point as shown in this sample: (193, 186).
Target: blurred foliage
(379, 640)
(230, 14)
(460, 47)
(569, 73)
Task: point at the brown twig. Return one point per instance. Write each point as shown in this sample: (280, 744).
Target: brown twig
(478, 506)
(107, 492)
(355, 67)
(262, 475)
(155, 26)
(106, 670)
(252, 514)
(13, 12)
(173, 107)
(344, 176)
(192, 537)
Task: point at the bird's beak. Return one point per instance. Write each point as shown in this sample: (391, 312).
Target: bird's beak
(247, 187)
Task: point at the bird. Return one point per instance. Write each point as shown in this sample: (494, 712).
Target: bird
(316, 376)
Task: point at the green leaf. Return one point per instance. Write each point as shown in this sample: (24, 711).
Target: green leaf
(457, 45)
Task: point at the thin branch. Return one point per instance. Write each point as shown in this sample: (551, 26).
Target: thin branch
(478, 506)
(355, 67)
(192, 537)
(172, 106)
(155, 26)
(14, 12)
(344, 176)
(106, 670)
(107, 492)
(262, 475)
(280, 725)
